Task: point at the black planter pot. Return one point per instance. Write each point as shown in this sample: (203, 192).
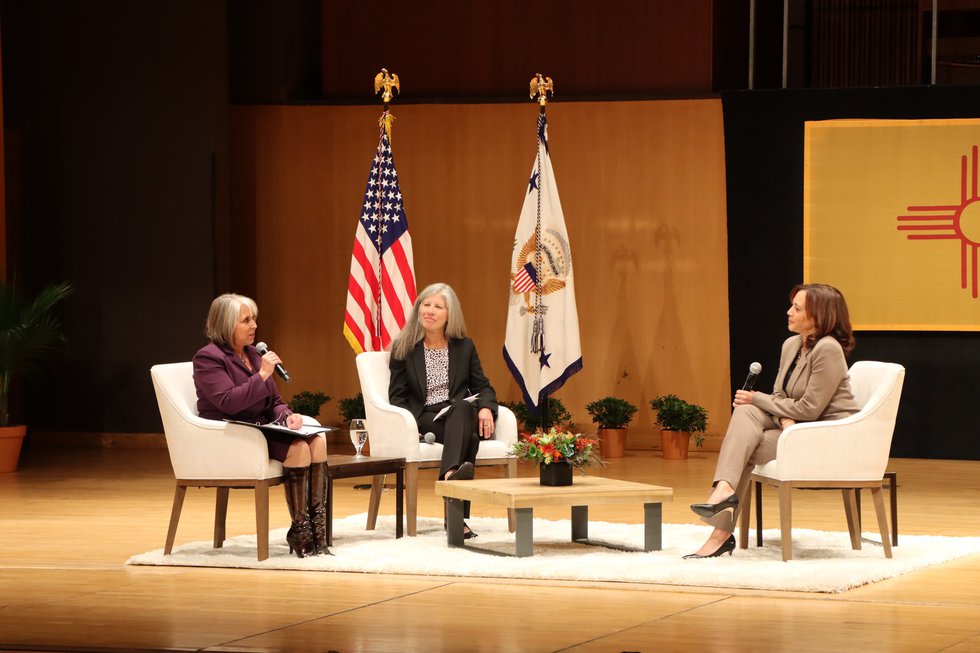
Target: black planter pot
(556, 474)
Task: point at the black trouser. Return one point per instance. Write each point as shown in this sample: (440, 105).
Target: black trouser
(456, 432)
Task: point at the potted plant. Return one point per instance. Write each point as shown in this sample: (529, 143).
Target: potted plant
(29, 334)
(308, 402)
(557, 414)
(556, 453)
(612, 415)
(678, 420)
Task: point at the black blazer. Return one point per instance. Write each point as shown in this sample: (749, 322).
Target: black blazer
(408, 384)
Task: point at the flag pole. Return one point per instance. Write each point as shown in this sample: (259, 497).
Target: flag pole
(383, 83)
(540, 87)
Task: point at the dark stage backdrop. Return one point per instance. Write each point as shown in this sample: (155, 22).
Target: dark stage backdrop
(764, 162)
(116, 118)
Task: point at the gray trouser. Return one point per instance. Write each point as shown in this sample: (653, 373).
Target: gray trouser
(750, 441)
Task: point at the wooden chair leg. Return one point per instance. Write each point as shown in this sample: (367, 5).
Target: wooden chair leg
(374, 503)
(758, 514)
(220, 516)
(853, 516)
(786, 520)
(262, 519)
(411, 497)
(892, 478)
(510, 471)
(179, 493)
(882, 520)
(743, 519)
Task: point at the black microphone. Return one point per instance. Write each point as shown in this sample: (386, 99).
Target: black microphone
(263, 348)
(754, 370)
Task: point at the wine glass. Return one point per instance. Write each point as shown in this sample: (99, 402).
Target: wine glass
(358, 436)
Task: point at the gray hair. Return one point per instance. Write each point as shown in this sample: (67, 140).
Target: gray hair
(223, 316)
(413, 333)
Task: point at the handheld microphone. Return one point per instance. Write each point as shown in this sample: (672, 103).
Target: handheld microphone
(263, 348)
(429, 437)
(754, 370)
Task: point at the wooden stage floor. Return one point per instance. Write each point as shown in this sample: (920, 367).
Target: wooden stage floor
(70, 518)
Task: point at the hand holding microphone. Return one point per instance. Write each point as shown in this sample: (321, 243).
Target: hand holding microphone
(744, 396)
(271, 358)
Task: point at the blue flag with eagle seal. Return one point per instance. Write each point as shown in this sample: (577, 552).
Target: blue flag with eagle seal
(542, 346)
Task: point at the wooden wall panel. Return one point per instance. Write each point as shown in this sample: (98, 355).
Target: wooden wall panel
(643, 189)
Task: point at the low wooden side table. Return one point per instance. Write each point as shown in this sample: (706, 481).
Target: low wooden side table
(345, 466)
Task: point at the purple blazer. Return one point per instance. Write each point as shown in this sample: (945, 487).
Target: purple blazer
(227, 389)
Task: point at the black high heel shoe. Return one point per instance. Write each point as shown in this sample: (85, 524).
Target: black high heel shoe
(712, 509)
(727, 547)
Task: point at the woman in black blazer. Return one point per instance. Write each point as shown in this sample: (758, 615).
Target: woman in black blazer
(433, 366)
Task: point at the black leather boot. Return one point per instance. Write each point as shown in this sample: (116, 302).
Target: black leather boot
(318, 506)
(296, 482)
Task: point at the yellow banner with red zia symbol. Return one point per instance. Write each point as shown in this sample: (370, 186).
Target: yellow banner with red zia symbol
(892, 217)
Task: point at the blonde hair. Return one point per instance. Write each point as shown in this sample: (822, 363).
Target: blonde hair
(413, 332)
(223, 316)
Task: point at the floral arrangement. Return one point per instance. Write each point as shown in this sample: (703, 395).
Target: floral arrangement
(558, 447)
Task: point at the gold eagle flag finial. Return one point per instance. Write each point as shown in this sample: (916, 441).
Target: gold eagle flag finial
(541, 86)
(386, 81)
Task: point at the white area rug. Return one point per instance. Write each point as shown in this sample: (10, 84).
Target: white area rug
(823, 561)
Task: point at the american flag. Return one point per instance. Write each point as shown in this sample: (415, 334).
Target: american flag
(525, 279)
(381, 288)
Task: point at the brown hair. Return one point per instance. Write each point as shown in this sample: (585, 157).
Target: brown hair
(825, 305)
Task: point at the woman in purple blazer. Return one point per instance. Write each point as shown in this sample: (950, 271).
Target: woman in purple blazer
(811, 385)
(234, 381)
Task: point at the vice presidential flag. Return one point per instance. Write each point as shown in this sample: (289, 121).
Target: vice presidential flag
(542, 347)
(381, 288)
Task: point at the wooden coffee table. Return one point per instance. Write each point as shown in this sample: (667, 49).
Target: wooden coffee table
(344, 466)
(524, 494)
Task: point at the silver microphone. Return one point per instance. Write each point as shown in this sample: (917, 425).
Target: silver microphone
(754, 370)
(262, 348)
(429, 437)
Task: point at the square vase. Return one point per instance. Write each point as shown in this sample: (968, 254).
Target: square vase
(556, 474)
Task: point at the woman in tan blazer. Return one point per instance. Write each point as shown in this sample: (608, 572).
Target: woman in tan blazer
(811, 385)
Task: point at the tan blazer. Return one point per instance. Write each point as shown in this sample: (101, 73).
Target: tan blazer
(818, 388)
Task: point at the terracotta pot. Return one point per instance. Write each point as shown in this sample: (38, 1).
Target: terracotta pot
(612, 442)
(675, 444)
(11, 439)
(556, 474)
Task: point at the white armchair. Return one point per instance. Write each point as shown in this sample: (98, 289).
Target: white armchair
(847, 454)
(393, 432)
(209, 453)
